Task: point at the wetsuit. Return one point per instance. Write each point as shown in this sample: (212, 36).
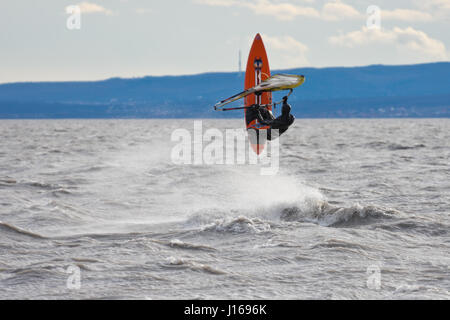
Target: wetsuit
(282, 123)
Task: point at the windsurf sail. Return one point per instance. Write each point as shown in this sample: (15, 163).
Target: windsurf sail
(276, 82)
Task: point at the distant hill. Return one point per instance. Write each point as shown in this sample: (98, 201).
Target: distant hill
(421, 90)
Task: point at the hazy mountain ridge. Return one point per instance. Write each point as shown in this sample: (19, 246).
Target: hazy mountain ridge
(421, 90)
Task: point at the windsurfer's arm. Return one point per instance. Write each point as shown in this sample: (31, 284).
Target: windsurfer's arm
(261, 119)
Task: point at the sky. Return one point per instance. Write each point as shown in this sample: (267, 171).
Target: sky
(135, 38)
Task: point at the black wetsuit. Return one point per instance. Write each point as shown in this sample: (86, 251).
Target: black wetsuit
(282, 123)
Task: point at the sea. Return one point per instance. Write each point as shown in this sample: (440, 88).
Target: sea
(100, 209)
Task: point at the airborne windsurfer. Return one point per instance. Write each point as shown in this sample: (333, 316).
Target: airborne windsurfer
(281, 123)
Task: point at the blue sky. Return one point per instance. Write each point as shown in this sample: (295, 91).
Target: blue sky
(133, 38)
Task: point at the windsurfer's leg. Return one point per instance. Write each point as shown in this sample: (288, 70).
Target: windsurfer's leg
(251, 113)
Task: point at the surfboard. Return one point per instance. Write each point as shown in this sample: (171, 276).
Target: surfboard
(257, 71)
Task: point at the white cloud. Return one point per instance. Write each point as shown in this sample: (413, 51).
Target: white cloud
(407, 38)
(437, 8)
(286, 51)
(406, 15)
(338, 11)
(281, 11)
(442, 4)
(89, 7)
(335, 10)
(433, 4)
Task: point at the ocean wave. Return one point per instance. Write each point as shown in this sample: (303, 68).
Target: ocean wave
(339, 244)
(6, 229)
(94, 168)
(41, 185)
(418, 225)
(417, 291)
(324, 214)
(178, 244)
(395, 146)
(30, 274)
(309, 210)
(180, 263)
(391, 146)
(54, 188)
(60, 192)
(239, 224)
(88, 260)
(7, 182)
(175, 243)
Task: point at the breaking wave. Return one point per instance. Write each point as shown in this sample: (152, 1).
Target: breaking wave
(238, 225)
(327, 215)
(307, 210)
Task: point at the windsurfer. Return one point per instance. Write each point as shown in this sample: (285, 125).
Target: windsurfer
(281, 123)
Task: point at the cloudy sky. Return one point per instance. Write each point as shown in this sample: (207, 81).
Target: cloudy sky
(132, 38)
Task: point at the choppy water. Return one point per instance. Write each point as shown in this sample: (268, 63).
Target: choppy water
(352, 197)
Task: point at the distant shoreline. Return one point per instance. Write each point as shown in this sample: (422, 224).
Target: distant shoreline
(377, 91)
